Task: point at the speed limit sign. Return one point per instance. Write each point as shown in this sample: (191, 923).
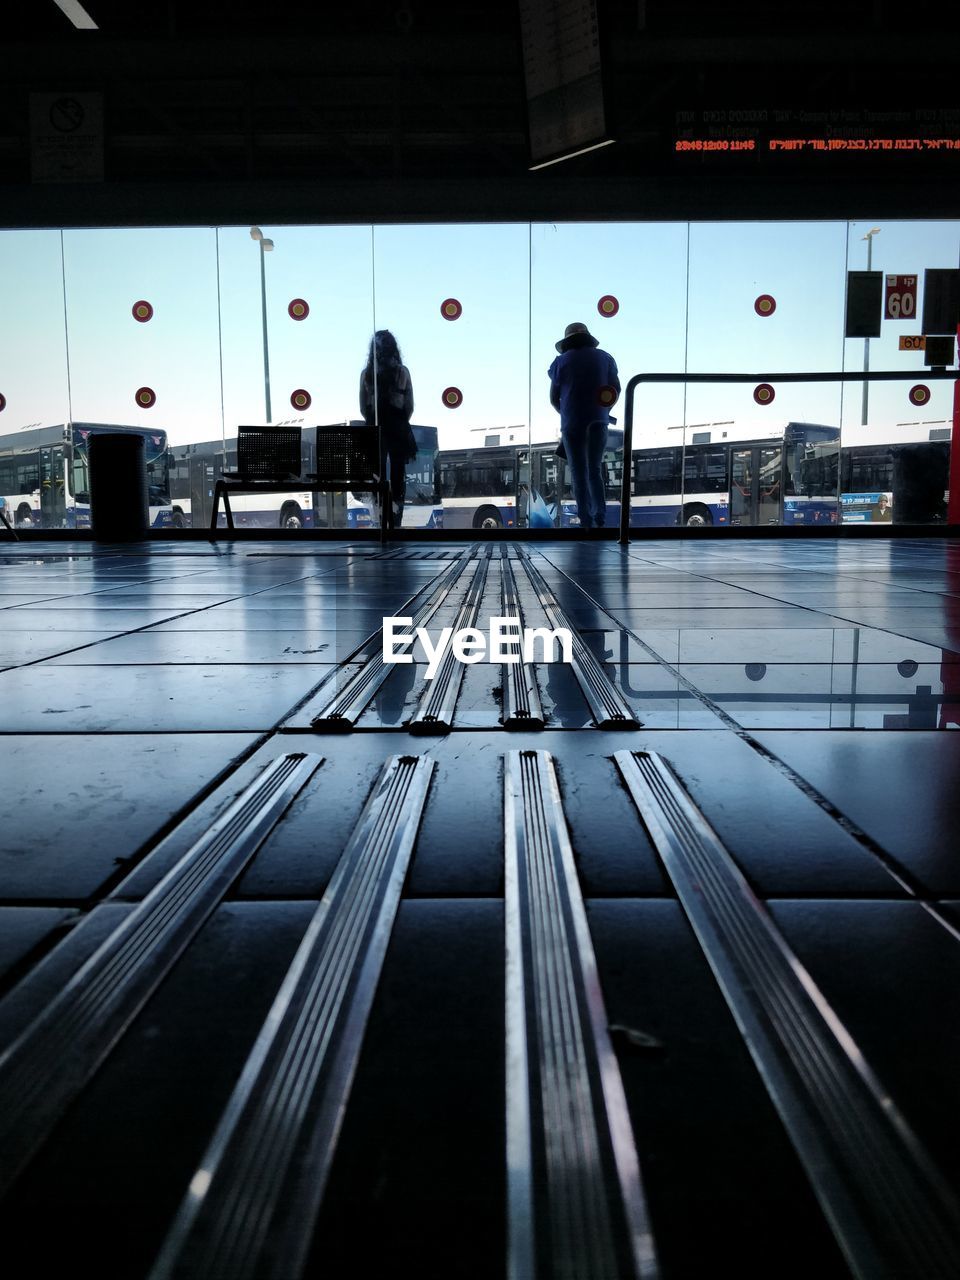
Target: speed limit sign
(901, 298)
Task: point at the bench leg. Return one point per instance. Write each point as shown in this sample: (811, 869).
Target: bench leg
(386, 509)
(220, 490)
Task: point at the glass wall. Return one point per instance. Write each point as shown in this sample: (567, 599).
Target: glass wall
(188, 334)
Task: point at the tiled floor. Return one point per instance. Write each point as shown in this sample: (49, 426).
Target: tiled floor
(804, 693)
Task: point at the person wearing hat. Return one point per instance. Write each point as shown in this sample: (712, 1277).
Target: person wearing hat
(584, 383)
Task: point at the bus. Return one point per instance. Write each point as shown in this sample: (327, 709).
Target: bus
(422, 507)
(726, 477)
(45, 474)
(480, 486)
(508, 486)
(195, 468)
(896, 474)
(722, 477)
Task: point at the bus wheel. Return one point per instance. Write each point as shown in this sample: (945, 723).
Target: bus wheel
(487, 518)
(696, 517)
(177, 518)
(291, 517)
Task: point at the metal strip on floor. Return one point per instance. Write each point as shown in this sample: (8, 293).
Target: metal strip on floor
(338, 710)
(46, 1068)
(889, 1209)
(576, 1208)
(434, 712)
(607, 705)
(400, 553)
(522, 708)
(251, 1205)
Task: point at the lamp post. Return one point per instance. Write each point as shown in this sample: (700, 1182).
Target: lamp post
(874, 231)
(265, 247)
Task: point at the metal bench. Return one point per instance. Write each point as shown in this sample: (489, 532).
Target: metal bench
(269, 460)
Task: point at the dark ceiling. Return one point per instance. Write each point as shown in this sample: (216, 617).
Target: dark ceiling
(218, 111)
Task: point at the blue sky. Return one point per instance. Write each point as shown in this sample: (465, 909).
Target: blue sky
(519, 286)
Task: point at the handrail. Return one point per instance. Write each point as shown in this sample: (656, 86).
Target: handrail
(626, 483)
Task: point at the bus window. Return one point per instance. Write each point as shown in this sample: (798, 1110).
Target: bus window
(656, 472)
(81, 475)
(812, 471)
(867, 470)
(158, 479)
(613, 473)
(705, 470)
(420, 478)
(550, 466)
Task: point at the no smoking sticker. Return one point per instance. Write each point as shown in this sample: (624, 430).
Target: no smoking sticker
(66, 137)
(66, 114)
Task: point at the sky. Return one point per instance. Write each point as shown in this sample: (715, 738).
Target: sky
(69, 345)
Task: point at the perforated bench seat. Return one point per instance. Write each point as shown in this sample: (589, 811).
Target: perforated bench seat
(269, 460)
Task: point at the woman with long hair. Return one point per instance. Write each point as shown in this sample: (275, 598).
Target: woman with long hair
(386, 402)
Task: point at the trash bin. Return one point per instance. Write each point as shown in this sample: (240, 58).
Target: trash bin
(119, 508)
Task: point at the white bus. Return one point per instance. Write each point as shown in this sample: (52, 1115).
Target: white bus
(479, 486)
(45, 474)
(717, 474)
(724, 474)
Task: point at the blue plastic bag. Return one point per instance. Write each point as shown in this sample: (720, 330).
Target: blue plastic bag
(539, 515)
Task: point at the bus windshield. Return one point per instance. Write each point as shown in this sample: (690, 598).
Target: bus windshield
(155, 457)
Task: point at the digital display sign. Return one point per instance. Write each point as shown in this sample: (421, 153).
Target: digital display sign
(784, 136)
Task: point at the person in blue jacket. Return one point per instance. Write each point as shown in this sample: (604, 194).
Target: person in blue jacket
(584, 383)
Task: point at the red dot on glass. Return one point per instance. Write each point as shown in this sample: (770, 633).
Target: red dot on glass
(765, 305)
(764, 393)
(142, 311)
(301, 399)
(451, 309)
(146, 397)
(919, 394)
(298, 309)
(608, 305)
(452, 397)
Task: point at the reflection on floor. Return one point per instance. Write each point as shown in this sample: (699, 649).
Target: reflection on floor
(157, 701)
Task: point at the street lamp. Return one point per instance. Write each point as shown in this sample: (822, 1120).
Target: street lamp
(265, 247)
(874, 231)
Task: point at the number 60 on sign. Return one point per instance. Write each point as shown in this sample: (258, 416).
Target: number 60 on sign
(901, 297)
